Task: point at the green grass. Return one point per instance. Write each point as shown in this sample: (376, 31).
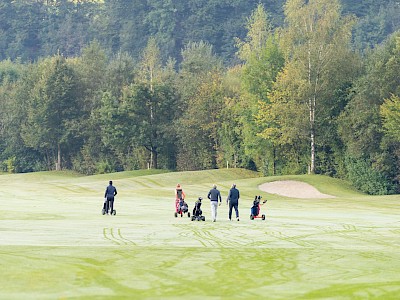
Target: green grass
(55, 244)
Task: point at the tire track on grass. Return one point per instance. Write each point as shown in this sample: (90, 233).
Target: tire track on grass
(224, 237)
(298, 239)
(118, 239)
(210, 237)
(128, 241)
(352, 232)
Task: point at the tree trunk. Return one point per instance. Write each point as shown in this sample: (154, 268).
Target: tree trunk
(58, 164)
(273, 160)
(312, 138)
(312, 106)
(312, 134)
(154, 158)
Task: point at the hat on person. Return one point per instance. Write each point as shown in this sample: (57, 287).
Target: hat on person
(178, 185)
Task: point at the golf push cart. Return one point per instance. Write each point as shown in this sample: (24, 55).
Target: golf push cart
(255, 209)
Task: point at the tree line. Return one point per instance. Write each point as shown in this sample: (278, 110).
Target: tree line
(30, 29)
(300, 99)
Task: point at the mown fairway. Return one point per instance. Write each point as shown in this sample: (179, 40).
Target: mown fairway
(55, 244)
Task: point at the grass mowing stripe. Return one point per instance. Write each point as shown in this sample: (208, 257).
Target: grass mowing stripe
(56, 244)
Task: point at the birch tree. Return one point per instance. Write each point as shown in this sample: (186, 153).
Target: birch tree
(262, 60)
(149, 74)
(153, 96)
(316, 42)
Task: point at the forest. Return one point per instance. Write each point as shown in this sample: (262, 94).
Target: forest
(281, 87)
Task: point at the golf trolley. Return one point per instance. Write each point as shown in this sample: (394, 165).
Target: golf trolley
(197, 212)
(105, 209)
(255, 209)
(113, 213)
(181, 208)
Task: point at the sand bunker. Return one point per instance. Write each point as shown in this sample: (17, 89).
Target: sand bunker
(293, 189)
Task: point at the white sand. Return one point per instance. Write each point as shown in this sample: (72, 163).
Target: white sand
(293, 189)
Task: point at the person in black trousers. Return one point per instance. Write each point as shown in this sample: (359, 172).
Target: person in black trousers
(233, 199)
(109, 195)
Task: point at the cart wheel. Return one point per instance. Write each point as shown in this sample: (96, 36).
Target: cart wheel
(176, 215)
(193, 217)
(188, 214)
(203, 218)
(103, 211)
(114, 212)
(263, 217)
(251, 217)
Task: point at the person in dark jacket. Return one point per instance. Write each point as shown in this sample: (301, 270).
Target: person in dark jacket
(233, 200)
(109, 195)
(214, 195)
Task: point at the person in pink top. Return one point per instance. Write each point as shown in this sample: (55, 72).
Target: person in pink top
(179, 196)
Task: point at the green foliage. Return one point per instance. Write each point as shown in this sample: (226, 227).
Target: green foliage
(119, 73)
(199, 107)
(10, 71)
(53, 109)
(262, 60)
(390, 113)
(10, 164)
(261, 69)
(230, 134)
(377, 21)
(258, 31)
(366, 179)
(33, 29)
(104, 166)
(360, 124)
(199, 126)
(84, 162)
(359, 127)
(91, 67)
(41, 28)
(199, 59)
(145, 84)
(316, 43)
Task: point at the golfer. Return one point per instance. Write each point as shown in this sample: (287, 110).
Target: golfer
(179, 196)
(214, 195)
(179, 193)
(109, 195)
(233, 200)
